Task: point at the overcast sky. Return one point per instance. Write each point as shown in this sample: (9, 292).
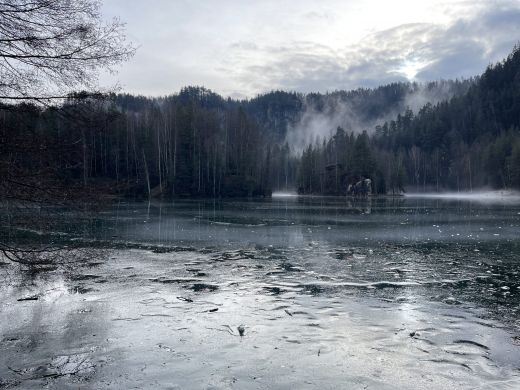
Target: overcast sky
(240, 48)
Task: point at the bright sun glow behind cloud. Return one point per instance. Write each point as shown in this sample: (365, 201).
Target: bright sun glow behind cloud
(411, 68)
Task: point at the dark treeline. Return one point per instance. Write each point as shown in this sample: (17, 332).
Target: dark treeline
(331, 167)
(196, 143)
(191, 144)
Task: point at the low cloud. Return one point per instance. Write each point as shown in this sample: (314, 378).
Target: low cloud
(316, 124)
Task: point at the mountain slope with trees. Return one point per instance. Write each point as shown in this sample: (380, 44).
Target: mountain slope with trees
(468, 142)
(197, 143)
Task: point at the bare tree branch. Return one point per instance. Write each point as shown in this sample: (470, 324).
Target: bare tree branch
(49, 48)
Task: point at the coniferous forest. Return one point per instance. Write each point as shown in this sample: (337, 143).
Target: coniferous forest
(199, 144)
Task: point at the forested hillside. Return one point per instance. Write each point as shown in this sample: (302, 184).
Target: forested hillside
(447, 135)
(279, 112)
(467, 142)
(191, 144)
(471, 141)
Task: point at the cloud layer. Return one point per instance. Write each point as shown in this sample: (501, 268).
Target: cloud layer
(241, 49)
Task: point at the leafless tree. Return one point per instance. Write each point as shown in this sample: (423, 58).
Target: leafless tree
(50, 48)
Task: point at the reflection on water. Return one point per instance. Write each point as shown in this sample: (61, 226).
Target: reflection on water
(299, 220)
(293, 292)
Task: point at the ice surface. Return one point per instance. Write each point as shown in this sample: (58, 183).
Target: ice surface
(262, 294)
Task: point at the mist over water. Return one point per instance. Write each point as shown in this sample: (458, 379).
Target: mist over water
(284, 194)
(483, 196)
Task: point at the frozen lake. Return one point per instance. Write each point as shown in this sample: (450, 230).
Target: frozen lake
(291, 292)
